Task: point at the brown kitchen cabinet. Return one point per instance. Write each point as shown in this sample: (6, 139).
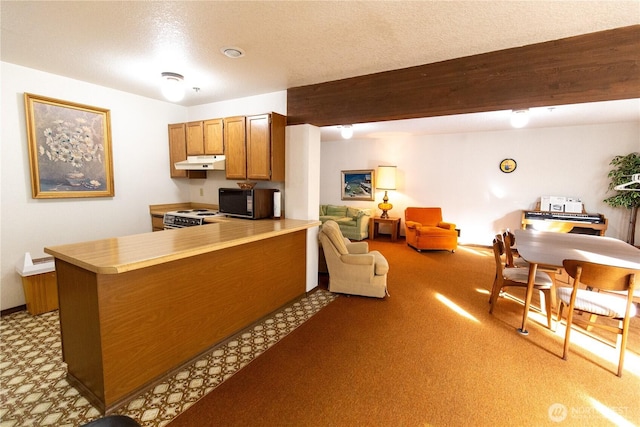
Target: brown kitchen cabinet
(265, 147)
(255, 147)
(235, 148)
(178, 152)
(157, 222)
(205, 137)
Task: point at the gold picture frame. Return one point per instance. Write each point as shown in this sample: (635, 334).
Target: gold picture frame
(358, 185)
(69, 149)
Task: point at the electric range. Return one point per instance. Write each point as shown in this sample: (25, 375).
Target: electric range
(188, 218)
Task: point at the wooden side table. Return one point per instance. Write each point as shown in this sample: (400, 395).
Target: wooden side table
(376, 221)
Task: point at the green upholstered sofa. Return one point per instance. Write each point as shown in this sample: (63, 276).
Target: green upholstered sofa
(353, 222)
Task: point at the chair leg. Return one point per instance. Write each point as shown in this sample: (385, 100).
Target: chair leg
(492, 301)
(546, 294)
(559, 316)
(592, 319)
(622, 341)
(554, 294)
(493, 289)
(565, 353)
(619, 336)
(495, 293)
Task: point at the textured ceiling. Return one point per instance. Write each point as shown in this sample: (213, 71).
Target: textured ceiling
(126, 45)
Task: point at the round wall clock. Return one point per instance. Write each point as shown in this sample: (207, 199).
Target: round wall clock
(508, 165)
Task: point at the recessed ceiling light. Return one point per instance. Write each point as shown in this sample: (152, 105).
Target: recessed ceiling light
(232, 52)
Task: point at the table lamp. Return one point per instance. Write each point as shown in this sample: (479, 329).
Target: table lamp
(386, 180)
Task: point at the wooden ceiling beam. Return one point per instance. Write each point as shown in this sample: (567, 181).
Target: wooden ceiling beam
(587, 68)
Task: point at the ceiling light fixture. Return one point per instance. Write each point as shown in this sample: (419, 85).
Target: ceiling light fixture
(346, 131)
(232, 52)
(172, 86)
(519, 118)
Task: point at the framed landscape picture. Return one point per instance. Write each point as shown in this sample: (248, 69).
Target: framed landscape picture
(69, 149)
(358, 185)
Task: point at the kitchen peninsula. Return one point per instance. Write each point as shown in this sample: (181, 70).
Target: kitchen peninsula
(135, 308)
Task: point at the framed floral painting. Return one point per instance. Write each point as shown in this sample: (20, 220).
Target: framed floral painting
(69, 149)
(358, 185)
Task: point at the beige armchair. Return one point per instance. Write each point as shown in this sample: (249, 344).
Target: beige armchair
(353, 269)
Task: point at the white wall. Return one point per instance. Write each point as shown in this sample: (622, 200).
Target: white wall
(302, 188)
(140, 165)
(459, 172)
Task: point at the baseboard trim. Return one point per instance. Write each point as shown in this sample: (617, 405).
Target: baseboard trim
(12, 310)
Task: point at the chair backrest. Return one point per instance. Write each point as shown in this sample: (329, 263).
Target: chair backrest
(426, 216)
(509, 239)
(498, 250)
(332, 231)
(601, 276)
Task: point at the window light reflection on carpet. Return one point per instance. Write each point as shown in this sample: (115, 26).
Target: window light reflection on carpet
(455, 307)
(482, 253)
(598, 346)
(612, 414)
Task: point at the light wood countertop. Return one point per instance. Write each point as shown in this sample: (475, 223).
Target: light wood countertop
(122, 254)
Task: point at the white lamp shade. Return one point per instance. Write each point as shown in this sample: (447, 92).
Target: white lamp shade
(386, 178)
(519, 118)
(172, 87)
(347, 131)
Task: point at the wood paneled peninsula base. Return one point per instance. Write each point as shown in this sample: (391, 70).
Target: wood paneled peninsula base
(135, 308)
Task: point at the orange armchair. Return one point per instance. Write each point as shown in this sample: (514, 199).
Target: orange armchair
(424, 229)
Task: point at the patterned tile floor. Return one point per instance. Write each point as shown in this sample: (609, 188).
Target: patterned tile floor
(34, 390)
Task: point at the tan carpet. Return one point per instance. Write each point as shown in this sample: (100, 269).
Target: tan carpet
(428, 355)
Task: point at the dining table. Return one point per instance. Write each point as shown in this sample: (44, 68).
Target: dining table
(551, 249)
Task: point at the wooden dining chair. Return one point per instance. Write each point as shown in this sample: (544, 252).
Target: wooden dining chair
(509, 240)
(619, 307)
(518, 277)
(512, 261)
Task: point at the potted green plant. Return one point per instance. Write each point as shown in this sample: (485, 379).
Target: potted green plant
(628, 197)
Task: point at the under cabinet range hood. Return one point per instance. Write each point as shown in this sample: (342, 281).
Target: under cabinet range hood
(199, 163)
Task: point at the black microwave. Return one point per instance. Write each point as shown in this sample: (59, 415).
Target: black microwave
(256, 203)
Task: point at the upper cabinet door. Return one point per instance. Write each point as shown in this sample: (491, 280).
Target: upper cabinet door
(195, 139)
(259, 147)
(177, 148)
(178, 152)
(235, 148)
(213, 136)
(278, 155)
(266, 147)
